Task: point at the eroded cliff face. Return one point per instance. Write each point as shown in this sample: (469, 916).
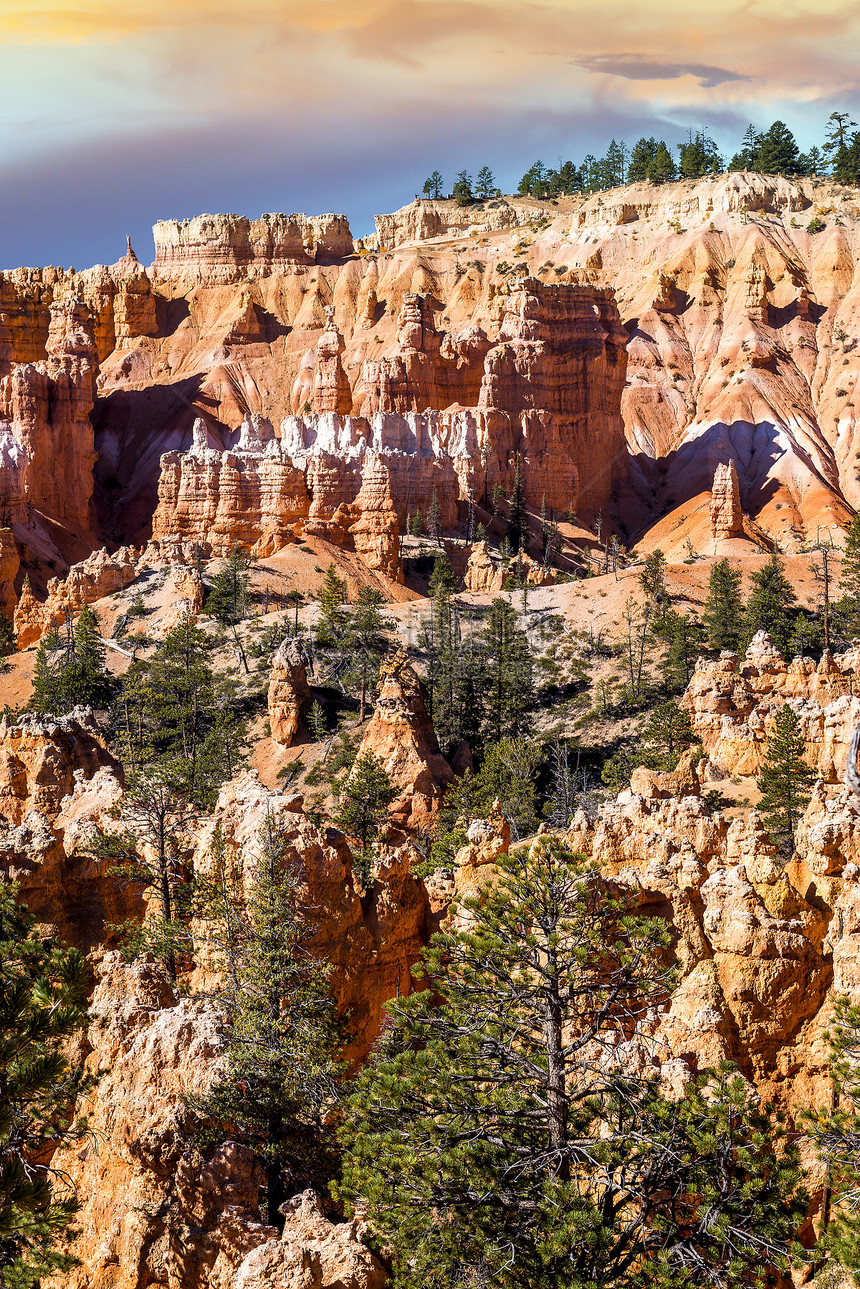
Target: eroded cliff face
(545, 396)
(733, 704)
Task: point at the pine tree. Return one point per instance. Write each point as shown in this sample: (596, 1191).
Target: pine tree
(7, 637)
(175, 719)
(485, 185)
(698, 156)
(723, 614)
(772, 606)
(69, 669)
(317, 721)
(508, 775)
(42, 1005)
(848, 608)
(366, 641)
(364, 797)
(667, 732)
(778, 152)
(462, 190)
(785, 781)
(517, 532)
(836, 1133)
(433, 518)
(506, 675)
(229, 596)
(153, 817)
(499, 1135)
(683, 635)
(662, 169)
(433, 187)
(331, 623)
(280, 1071)
(641, 159)
(442, 578)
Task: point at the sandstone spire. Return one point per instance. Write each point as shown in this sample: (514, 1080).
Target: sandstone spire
(727, 517)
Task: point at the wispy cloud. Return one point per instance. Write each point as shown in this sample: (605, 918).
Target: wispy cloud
(633, 67)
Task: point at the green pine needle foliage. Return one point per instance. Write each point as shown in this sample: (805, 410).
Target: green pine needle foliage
(509, 1130)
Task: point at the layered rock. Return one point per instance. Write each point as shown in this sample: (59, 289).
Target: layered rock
(733, 704)
(230, 248)
(98, 575)
(312, 1251)
(332, 390)
(551, 394)
(727, 516)
(47, 437)
(252, 495)
(401, 734)
(428, 369)
(155, 1209)
(289, 692)
(42, 758)
(425, 219)
(486, 572)
(371, 945)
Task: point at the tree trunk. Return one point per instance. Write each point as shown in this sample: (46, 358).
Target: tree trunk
(556, 1091)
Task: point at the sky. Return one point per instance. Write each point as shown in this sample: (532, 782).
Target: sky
(116, 113)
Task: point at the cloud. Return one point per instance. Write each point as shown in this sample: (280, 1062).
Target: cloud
(634, 67)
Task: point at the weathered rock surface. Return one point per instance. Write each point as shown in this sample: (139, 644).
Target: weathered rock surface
(42, 758)
(733, 703)
(312, 1252)
(289, 692)
(98, 575)
(727, 517)
(401, 734)
(371, 951)
(155, 1210)
(231, 248)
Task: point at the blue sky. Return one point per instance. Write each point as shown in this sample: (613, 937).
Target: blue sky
(118, 114)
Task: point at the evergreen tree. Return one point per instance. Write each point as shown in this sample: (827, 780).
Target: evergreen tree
(229, 597)
(153, 817)
(777, 151)
(838, 140)
(434, 518)
(485, 182)
(508, 775)
(662, 169)
(7, 637)
(42, 1005)
(462, 190)
(317, 721)
(723, 614)
(785, 781)
(848, 608)
(442, 578)
(433, 186)
(331, 623)
(506, 675)
(747, 158)
(667, 733)
(366, 641)
(69, 669)
(364, 797)
(500, 1135)
(280, 1068)
(175, 719)
(517, 522)
(836, 1133)
(683, 634)
(642, 157)
(771, 606)
(698, 156)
